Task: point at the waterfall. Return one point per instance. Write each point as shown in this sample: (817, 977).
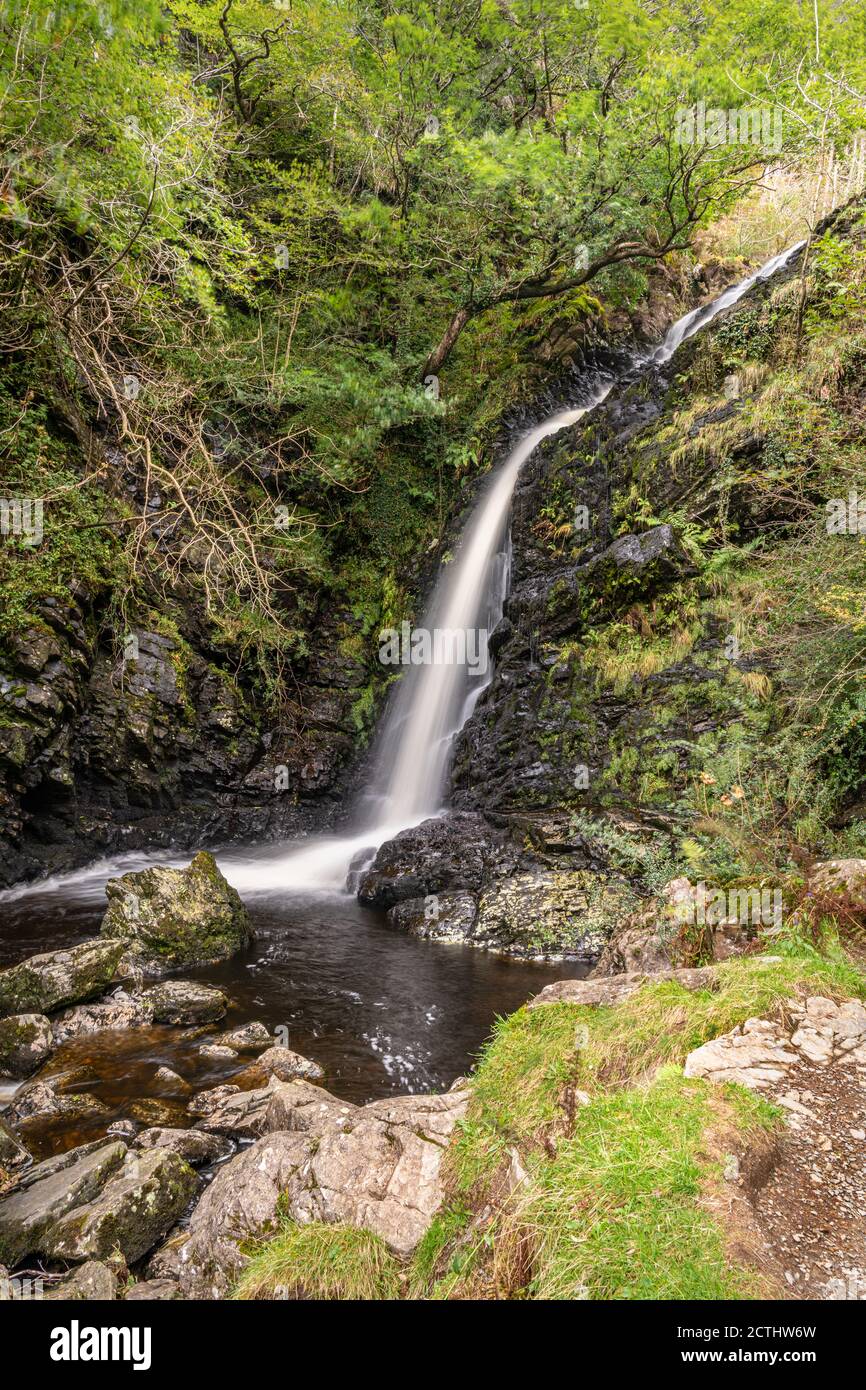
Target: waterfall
(434, 700)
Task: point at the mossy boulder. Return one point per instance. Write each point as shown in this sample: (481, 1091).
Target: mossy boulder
(550, 913)
(170, 918)
(94, 1201)
(25, 1042)
(42, 983)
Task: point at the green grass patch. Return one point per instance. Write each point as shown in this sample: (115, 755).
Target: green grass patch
(319, 1261)
(618, 1213)
(612, 1206)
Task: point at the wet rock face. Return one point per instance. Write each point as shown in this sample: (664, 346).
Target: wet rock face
(46, 982)
(169, 918)
(437, 917)
(440, 855)
(151, 743)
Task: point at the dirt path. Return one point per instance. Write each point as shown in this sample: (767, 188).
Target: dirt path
(811, 1208)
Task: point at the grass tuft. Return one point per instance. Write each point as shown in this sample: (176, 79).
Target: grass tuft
(319, 1261)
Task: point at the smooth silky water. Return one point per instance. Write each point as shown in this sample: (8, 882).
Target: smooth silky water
(380, 1011)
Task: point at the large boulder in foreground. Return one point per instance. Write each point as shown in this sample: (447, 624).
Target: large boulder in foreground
(169, 918)
(42, 983)
(138, 1205)
(92, 1201)
(49, 1191)
(376, 1166)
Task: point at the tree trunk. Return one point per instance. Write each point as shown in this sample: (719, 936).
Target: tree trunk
(442, 351)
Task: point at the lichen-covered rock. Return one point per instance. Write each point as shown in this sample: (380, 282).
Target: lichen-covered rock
(164, 1261)
(840, 876)
(301, 1106)
(184, 1002)
(25, 1042)
(139, 1203)
(437, 917)
(231, 1111)
(762, 1052)
(192, 1145)
(239, 1205)
(13, 1154)
(248, 1037)
(54, 1095)
(376, 1166)
(50, 1190)
(91, 1282)
(287, 1065)
(550, 912)
(121, 1011)
(169, 918)
(47, 982)
(616, 988)
(152, 1290)
(380, 1168)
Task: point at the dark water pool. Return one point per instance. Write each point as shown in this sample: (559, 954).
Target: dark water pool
(381, 1012)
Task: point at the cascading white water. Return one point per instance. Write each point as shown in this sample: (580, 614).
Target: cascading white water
(699, 318)
(435, 700)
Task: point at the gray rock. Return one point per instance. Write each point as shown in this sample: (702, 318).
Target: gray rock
(90, 1282)
(139, 1203)
(120, 1012)
(298, 1106)
(249, 1037)
(53, 1096)
(438, 917)
(25, 1042)
(48, 1192)
(13, 1154)
(169, 918)
(239, 1205)
(183, 1002)
(169, 1080)
(382, 1172)
(215, 1050)
(840, 876)
(122, 1129)
(157, 1110)
(191, 1144)
(228, 1110)
(46, 982)
(376, 1166)
(287, 1065)
(164, 1262)
(616, 988)
(151, 1290)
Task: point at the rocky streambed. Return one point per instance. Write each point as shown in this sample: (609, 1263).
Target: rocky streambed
(167, 1030)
